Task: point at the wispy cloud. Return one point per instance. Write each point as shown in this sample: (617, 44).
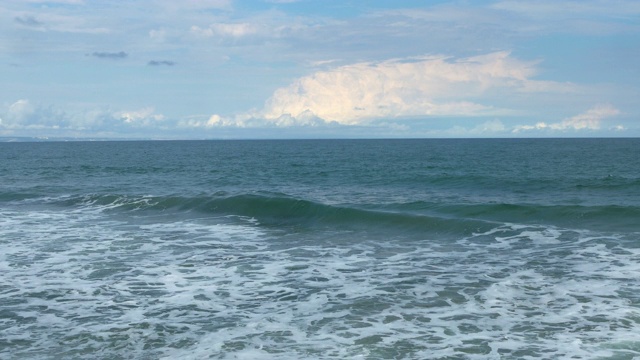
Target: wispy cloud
(587, 17)
(110, 55)
(54, 19)
(69, 2)
(589, 120)
(28, 20)
(571, 8)
(161, 63)
(194, 4)
(225, 30)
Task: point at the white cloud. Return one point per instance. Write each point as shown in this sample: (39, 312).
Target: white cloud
(20, 111)
(24, 115)
(158, 35)
(268, 45)
(213, 121)
(427, 86)
(254, 119)
(589, 120)
(492, 126)
(318, 63)
(212, 4)
(143, 116)
(179, 6)
(424, 87)
(225, 30)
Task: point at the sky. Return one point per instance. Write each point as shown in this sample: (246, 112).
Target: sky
(219, 69)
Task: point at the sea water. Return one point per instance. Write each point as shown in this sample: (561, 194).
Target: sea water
(319, 249)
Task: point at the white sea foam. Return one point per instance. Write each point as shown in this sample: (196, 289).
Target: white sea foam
(78, 284)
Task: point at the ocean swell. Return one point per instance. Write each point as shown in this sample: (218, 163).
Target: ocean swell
(277, 209)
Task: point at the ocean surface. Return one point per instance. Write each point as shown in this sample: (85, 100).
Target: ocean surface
(320, 249)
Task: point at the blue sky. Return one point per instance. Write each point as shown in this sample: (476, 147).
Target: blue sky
(319, 68)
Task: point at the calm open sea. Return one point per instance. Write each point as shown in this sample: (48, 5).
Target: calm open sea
(418, 249)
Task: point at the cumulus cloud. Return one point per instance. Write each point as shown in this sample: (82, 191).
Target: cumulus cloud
(23, 115)
(141, 117)
(19, 112)
(110, 55)
(428, 86)
(424, 87)
(255, 120)
(213, 121)
(590, 120)
(123, 121)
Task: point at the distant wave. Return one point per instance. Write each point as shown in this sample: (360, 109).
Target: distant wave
(603, 217)
(611, 182)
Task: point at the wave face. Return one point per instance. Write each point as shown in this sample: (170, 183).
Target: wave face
(320, 249)
(281, 210)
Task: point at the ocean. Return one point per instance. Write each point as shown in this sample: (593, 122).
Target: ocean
(320, 249)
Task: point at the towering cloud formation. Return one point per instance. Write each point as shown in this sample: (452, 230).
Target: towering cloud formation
(355, 93)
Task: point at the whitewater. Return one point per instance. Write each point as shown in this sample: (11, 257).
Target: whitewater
(320, 249)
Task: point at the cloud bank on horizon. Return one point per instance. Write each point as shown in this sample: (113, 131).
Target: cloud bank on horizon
(251, 69)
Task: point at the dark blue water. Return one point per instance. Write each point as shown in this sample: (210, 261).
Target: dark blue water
(502, 249)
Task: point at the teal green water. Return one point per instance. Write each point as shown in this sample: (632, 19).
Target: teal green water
(502, 249)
